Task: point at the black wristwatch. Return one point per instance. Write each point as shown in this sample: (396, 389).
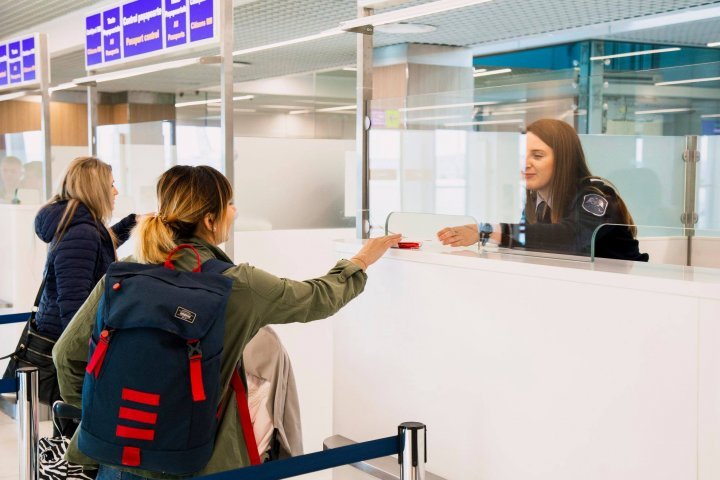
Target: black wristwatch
(484, 230)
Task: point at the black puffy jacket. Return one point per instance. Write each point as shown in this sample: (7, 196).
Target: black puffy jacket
(75, 264)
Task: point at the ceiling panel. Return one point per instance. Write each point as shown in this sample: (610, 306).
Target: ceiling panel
(697, 34)
(267, 21)
(16, 16)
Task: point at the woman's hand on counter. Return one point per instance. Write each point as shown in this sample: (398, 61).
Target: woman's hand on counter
(460, 236)
(373, 249)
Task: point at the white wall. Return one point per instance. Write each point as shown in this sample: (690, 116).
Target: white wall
(302, 254)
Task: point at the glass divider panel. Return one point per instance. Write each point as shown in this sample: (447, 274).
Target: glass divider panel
(647, 171)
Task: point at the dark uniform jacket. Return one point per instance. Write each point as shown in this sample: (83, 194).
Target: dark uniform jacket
(595, 204)
(75, 264)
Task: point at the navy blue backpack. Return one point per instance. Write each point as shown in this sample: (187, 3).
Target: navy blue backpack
(151, 393)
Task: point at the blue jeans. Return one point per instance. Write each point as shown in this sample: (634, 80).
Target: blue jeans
(110, 473)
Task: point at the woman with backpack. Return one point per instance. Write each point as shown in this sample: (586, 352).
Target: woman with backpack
(195, 213)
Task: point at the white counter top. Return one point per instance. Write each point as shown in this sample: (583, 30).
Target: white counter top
(673, 279)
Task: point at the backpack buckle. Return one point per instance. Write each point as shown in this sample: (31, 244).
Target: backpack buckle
(194, 350)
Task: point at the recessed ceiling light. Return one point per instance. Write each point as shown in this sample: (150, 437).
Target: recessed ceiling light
(485, 73)
(634, 54)
(402, 28)
(483, 122)
(663, 110)
(689, 80)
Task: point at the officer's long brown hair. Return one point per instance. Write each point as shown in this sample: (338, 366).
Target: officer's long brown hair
(570, 170)
(185, 195)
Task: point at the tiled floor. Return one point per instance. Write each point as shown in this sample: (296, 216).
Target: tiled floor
(9, 468)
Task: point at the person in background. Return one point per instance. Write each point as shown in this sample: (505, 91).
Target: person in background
(195, 207)
(565, 204)
(74, 223)
(11, 172)
(32, 178)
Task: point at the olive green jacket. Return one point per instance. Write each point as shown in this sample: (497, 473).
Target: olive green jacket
(257, 299)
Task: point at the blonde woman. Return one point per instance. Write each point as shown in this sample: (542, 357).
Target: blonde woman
(81, 246)
(195, 207)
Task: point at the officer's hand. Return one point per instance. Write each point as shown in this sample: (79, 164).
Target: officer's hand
(373, 249)
(460, 236)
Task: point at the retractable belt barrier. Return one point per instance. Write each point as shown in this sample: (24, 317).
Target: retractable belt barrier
(14, 318)
(314, 462)
(409, 445)
(9, 385)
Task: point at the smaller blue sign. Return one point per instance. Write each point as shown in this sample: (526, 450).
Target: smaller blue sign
(111, 35)
(3, 73)
(93, 42)
(15, 72)
(28, 45)
(175, 23)
(28, 68)
(3, 51)
(14, 50)
(111, 47)
(201, 20)
(111, 19)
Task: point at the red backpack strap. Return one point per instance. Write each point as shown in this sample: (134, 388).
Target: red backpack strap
(168, 261)
(245, 421)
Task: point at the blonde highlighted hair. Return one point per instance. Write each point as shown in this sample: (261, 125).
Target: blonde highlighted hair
(88, 181)
(185, 195)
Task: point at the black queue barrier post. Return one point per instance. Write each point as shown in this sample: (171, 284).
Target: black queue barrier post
(27, 421)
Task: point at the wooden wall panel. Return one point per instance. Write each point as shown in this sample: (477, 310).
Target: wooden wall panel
(428, 79)
(17, 116)
(390, 81)
(113, 114)
(68, 124)
(145, 112)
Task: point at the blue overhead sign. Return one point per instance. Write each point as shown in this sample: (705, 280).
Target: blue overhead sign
(141, 28)
(19, 62)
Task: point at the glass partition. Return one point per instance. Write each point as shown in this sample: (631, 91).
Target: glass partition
(21, 194)
(648, 172)
(708, 183)
(422, 228)
(295, 158)
(462, 153)
(21, 168)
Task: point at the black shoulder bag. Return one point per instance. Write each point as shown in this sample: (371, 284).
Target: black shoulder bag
(35, 350)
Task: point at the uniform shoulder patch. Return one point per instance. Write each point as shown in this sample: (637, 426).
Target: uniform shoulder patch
(595, 204)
